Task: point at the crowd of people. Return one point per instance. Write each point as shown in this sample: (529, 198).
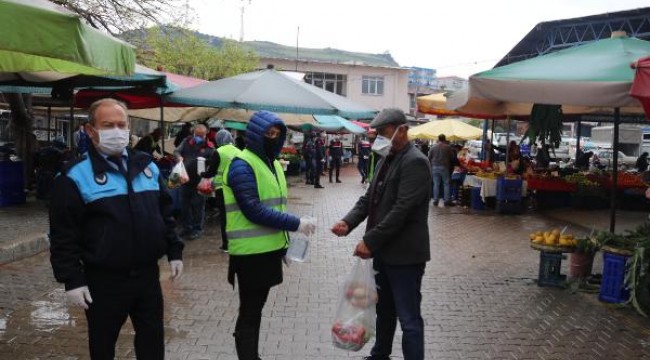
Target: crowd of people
(111, 218)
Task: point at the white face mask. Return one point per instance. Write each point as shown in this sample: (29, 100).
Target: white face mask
(113, 141)
(382, 144)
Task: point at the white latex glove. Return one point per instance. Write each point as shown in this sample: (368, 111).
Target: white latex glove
(307, 225)
(176, 267)
(79, 296)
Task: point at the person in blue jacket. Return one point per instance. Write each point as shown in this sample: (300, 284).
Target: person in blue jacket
(110, 222)
(257, 271)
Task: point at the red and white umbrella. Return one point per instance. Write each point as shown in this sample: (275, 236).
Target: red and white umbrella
(641, 84)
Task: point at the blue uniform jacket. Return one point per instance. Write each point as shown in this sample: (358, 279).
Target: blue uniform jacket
(100, 220)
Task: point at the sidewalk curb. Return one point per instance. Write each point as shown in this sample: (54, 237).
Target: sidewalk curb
(23, 248)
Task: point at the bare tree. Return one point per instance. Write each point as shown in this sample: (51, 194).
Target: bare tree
(117, 16)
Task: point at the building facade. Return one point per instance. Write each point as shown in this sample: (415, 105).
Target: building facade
(378, 87)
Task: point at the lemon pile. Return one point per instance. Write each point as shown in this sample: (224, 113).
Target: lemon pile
(553, 238)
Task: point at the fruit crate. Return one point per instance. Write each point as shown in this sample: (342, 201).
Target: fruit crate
(612, 285)
(508, 189)
(550, 264)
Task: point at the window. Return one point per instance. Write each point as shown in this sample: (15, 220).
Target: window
(373, 85)
(335, 83)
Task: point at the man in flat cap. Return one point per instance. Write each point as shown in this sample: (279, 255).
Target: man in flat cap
(396, 206)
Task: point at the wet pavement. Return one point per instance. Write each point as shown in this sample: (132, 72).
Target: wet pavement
(480, 299)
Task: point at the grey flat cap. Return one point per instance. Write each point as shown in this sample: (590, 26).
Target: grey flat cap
(387, 117)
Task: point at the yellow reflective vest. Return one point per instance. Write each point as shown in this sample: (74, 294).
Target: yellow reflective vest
(244, 236)
(226, 154)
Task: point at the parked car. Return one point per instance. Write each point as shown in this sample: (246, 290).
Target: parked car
(605, 157)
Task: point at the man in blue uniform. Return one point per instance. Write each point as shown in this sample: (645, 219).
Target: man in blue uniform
(110, 222)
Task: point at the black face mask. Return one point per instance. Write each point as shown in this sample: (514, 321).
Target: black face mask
(270, 146)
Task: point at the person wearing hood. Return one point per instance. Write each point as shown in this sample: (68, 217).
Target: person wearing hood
(257, 225)
(216, 165)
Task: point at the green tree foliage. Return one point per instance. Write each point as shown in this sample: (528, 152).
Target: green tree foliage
(181, 51)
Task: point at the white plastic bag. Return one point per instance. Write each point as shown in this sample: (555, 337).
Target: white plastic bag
(354, 324)
(178, 176)
(298, 248)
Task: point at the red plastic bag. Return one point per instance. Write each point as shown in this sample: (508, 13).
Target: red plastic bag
(354, 324)
(205, 187)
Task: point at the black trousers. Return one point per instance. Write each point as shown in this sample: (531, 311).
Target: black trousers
(116, 295)
(221, 205)
(335, 164)
(247, 328)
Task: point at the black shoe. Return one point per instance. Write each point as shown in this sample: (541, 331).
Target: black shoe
(338, 181)
(450, 203)
(435, 204)
(309, 183)
(319, 186)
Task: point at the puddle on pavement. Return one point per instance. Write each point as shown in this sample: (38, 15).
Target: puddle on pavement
(48, 316)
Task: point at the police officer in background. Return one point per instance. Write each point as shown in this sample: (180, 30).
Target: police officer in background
(318, 160)
(308, 156)
(336, 155)
(364, 159)
(110, 222)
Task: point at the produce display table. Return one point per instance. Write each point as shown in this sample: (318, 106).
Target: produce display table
(550, 184)
(489, 186)
(550, 263)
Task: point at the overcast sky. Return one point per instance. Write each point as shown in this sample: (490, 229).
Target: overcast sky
(456, 37)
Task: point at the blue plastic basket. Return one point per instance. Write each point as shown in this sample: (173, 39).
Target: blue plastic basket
(612, 286)
(476, 202)
(508, 189)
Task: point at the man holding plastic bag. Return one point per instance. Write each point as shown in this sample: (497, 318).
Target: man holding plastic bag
(257, 224)
(396, 206)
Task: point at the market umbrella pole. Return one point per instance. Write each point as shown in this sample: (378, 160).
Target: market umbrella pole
(612, 207)
(162, 124)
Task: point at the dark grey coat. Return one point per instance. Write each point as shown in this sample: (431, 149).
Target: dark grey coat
(401, 233)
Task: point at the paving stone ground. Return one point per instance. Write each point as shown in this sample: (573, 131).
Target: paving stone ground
(480, 299)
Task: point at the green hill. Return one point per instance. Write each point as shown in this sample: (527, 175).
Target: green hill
(272, 50)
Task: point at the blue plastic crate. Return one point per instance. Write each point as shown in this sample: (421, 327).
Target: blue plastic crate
(612, 286)
(12, 190)
(476, 202)
(508, 189)
(510, 207)
(550, 265)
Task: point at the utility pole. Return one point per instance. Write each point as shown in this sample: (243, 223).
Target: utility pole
(297, 52)
(241, 29)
